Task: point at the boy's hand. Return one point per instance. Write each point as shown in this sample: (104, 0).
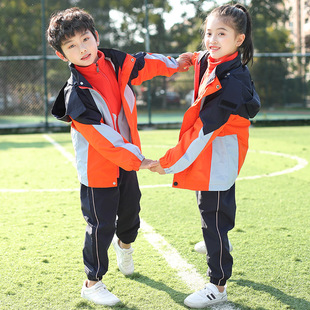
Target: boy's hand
(147, 163)
(185, 61)
(157, 168)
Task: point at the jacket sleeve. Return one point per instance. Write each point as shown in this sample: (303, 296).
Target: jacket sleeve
(192, 143)
(111, 145)
(148, 66)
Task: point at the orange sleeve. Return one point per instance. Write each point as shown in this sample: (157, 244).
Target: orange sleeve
(155, 65)
(111, 145)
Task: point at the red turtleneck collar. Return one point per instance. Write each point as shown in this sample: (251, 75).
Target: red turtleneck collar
(93, 66)
(212, 63)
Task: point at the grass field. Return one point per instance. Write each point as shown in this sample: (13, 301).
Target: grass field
(42, 229)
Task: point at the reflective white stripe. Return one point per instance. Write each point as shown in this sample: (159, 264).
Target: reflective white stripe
(191, 153)
(219, 235)
(170, 63)
(96, 233)
(123, 125)
(117, 140)
(81, 157)
(224, 162)
(130, 97)
(102, 107)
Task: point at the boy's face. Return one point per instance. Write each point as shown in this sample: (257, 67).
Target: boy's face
(81, 49)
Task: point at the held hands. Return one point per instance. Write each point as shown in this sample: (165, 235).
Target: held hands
(152, 165)
(148, 163)
(185, 61)
(158, 168)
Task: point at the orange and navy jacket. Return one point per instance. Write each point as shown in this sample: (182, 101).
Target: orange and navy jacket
(99, 148)
(213, 139)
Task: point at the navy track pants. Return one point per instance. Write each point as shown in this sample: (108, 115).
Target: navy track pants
(108, 211)
(218, 210)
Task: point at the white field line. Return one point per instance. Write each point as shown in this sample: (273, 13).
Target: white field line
(61, 149)
(301, 163)
(187, 272)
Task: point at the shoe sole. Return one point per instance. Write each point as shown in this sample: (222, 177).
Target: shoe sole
(102, 304)
(210, 303)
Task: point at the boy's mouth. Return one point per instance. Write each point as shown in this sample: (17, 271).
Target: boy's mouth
(86, 57)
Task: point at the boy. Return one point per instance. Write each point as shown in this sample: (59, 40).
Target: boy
(99, 102)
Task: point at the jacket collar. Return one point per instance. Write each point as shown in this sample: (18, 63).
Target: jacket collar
(227, 66)
(77, 79)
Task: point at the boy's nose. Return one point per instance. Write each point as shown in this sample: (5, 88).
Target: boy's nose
(82, 49)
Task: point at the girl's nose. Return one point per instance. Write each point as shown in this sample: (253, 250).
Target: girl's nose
(213, 39)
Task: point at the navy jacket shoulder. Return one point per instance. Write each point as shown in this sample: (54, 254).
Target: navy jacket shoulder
(237, 95)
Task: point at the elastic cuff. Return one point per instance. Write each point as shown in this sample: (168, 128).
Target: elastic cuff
(219, 282)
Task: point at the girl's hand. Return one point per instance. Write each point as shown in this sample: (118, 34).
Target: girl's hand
(185, 61)
(157, 168)
(147, 163)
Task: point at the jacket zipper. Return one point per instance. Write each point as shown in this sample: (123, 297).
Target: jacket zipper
(113, 120)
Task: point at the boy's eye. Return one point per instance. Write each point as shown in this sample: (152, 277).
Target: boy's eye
(86, 39)
(71, 46)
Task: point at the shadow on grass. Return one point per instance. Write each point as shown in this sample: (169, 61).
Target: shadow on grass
(88, 305)
(291, 301)
(177, 296)
(19, 145)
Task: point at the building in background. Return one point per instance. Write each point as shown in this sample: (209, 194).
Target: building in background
(299, 24)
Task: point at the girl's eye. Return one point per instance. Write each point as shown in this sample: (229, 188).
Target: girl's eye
(71, 46)
(86, 39)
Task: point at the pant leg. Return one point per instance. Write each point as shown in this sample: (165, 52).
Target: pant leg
(128, 220)
(217, 211)
(99, 207)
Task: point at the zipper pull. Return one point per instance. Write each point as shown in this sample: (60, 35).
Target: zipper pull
(97, 66)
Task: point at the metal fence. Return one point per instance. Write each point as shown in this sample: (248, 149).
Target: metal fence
(29, 85)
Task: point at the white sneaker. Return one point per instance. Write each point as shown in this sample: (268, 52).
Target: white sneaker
(99, 294)
(124, 258)
(200, 247)
(208, 296)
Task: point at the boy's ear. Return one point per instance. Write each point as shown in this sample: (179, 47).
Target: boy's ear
(61, 56)
(97, 38)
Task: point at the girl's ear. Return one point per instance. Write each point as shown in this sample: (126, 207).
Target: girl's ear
(240, 39)
(97, 38)
(61, 56)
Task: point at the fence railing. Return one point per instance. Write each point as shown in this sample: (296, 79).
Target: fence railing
(281, 79)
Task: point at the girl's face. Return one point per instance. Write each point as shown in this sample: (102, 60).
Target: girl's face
(220, 39)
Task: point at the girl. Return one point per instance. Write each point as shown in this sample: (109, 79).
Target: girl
(213, 140)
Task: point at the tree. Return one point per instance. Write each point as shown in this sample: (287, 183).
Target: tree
(270, 36)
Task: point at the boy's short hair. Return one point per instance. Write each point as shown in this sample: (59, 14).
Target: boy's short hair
(65, 24)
